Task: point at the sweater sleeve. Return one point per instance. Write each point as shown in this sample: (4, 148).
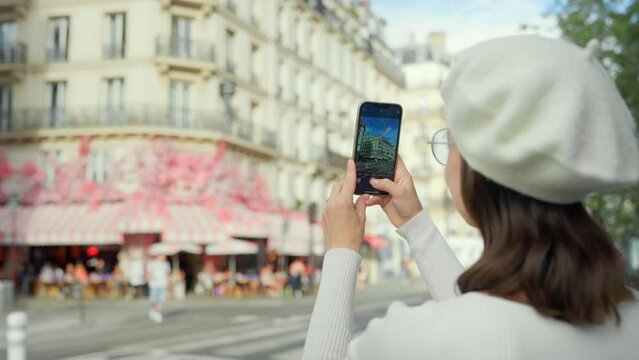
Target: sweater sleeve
(331, 326)
(437, 263)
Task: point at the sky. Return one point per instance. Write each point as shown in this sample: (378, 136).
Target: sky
(379, 126)
(465, 22)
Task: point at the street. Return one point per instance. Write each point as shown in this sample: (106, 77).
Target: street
(195, 328)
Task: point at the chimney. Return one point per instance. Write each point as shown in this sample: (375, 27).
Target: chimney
(437, 42)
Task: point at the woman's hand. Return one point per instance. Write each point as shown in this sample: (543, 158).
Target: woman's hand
(344, 221)
(402, 203)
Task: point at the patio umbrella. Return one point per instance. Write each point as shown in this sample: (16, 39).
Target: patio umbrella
(232, 248)
(167, 248)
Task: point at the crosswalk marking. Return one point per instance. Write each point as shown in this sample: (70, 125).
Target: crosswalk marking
(245, 338)
(132, 336)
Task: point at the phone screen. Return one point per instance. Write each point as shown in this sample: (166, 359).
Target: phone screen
(376, 143)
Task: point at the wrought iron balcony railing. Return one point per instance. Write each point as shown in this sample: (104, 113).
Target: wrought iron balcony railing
(112, 116)
(13, 53)
(113, 51)
(57, 54)
(269, 138)
(185, 49)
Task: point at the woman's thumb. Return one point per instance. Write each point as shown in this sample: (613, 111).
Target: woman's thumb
(385, 185)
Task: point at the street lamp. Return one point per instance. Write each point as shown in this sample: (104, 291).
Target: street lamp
(14, 187)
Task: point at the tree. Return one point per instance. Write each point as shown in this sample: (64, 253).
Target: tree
(615, 23)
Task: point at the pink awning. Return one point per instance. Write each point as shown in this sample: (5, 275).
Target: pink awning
(241, 221)
(194, 224)
(69, 224)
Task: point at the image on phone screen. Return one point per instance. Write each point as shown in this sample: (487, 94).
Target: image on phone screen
(375, 152)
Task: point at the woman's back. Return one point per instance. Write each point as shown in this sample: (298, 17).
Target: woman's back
(478, 326)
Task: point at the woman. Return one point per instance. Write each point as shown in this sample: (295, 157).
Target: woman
(535, 126)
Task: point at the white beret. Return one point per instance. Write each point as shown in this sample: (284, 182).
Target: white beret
(541, 116)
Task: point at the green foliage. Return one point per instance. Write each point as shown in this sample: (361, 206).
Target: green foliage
(615, 23)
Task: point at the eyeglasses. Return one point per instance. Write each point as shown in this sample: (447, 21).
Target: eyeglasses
(441, 146)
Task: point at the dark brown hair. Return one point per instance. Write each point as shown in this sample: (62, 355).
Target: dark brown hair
(557, 255)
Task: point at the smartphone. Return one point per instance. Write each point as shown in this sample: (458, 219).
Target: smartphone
(376, 143)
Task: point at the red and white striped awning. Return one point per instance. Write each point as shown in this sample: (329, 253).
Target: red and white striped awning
(232, 247)
(69, 224)
(246, 223)
(193, 224)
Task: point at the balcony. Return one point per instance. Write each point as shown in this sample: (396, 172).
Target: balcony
(254, 79)
(133, 119)
(269, 138)
(185, 49)
(385, 64)
(383, 61)
(253, 20)
(14, 8)
(245, 130)
(319, 153)
(57, 54)
(185, 54)
(194, 4)
(230, 6)
(113, 51)
(324, 156)
(230, 66)
(13, 57)
(6, 120)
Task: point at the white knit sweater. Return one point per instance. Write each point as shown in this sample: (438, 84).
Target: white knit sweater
(470, 326)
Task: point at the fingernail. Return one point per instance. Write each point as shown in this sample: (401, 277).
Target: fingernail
(374, 181)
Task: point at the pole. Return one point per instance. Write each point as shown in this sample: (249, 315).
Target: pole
(312, 209)
(16, 335)
(232, 269)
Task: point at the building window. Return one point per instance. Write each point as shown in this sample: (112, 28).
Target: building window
(113, 101)
(56, 103)
(281, 79)
(51, 160)
(114, 36)
(180, 113)
(5, 107)
(10, 51)
(230, 51)
(97, 166)
(58, 45)
(251, 10)
(254, 63)
(181, 37)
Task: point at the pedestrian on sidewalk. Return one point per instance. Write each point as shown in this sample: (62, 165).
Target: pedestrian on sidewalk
(535, 125)
(295, 272)
(158, 271)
